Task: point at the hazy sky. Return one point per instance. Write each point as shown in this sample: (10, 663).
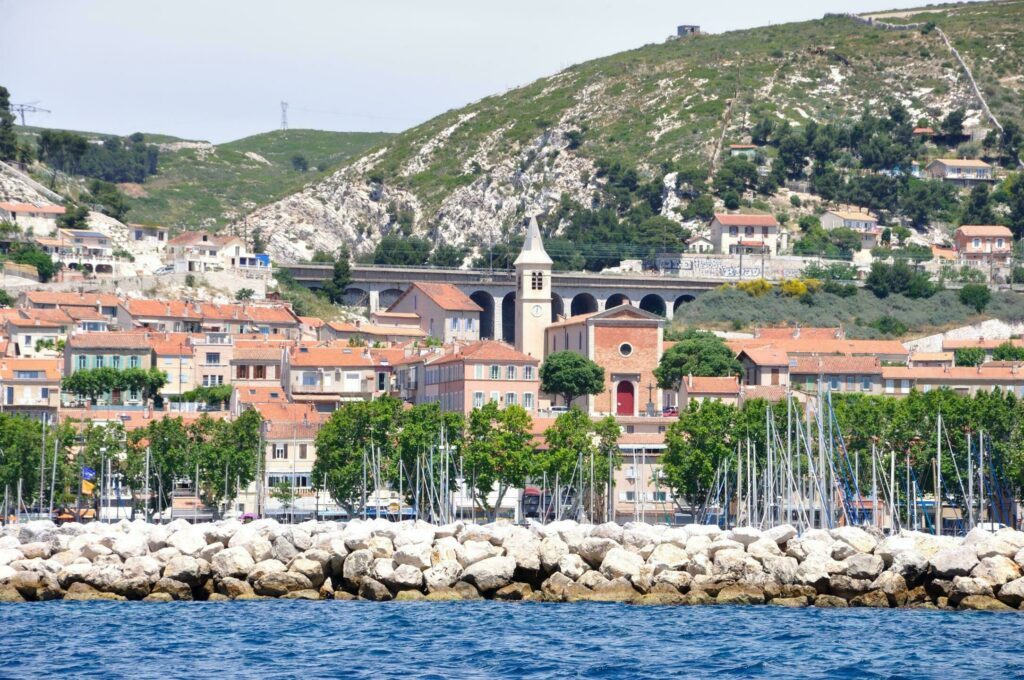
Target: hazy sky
(218, 69)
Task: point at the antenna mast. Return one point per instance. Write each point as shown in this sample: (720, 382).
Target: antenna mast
(284, 115)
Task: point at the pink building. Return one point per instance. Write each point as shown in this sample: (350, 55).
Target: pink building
(472, 375)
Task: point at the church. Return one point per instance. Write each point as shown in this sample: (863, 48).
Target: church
(626, 341)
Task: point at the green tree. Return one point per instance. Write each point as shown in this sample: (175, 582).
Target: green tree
(283, 494)
(569, 439)
(695, 447)
(244, 294)
(969, 356)
(30, 254)
(1008, 351)
(75, 217)
(498, 453)
(977, 207)
(299, 163)
(8, 140)
(341, 276)
(446, 255)
(357, 429)
(227, 454)
(403, 251)
(570, 375)
(695, 353)
(170, 457)
(976, 295)
(5, 299)
(953, 124)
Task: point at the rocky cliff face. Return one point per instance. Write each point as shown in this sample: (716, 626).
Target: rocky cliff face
(473, 175)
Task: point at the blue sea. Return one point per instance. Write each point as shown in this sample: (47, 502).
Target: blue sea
(284, 639)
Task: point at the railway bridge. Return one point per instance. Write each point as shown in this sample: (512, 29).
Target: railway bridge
(377, 287)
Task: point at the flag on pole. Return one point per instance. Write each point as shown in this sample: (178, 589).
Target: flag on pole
(88, 473)
(87, 487)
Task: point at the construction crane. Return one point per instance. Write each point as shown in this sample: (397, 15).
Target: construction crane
(31, 107)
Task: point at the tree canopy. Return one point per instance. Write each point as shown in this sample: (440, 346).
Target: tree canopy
(695, 353)
(570, 375)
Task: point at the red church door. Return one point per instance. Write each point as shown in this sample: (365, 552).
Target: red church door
(624, 399)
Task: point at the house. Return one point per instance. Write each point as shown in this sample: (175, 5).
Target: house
(37, 332)
(174, 355)
(1002, 375)
(30, 387)
(105, 303)
(810, 341)
(735, 234)
(699, 244)
(628, 343)
(444, 311)
(197, 317)
(254, 364)
(932, 359)
(685, 30)
(39, 217)
(469, 376)
(370, 334)
(764, 366)
(960, 172)
(988, 243)
(329, 376)
(201, 251)
(836, 373)
(148, 232)
(846, 219)
(923, 132)
(119, 351)
(86, 251)
(987, 345)
(702, 388)
(748, 151)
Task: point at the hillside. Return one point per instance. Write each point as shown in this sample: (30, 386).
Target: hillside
(199, 184)
(471, 175)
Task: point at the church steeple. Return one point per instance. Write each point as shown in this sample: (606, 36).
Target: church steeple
(533, 247)
(533, 293)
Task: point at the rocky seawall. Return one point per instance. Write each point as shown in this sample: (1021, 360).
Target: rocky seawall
(563, 561)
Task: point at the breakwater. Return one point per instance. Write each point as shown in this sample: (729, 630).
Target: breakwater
(563, 561)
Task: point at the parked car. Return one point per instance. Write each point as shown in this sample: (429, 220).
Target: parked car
(166, 269)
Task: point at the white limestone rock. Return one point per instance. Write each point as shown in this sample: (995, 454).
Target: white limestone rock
(996, 570)
(856, 538)
(490, 574)
(477, 551)
(415, 554)
(233, 562)
(959, 561)
(442, 575)
(189, 541)
(668, 556)
(572, 566)
(621, 562)
(551, 550)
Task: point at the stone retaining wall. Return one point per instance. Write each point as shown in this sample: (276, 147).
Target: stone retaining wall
(564, 561)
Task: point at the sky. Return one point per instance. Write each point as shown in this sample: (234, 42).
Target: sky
(218, 70)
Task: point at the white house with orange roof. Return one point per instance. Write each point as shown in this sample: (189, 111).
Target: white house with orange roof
(751, 234)
(444, 311)
(698, 389)
(962, 172)
(329, 376)
(201, 251)
(41, 218)
(30, 387)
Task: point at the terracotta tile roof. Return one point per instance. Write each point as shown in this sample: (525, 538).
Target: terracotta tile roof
(201, 311)
(22, 322)
(832, 364)
(256, 354)
(171, 344)
(943, 253)
(572, 320)
(923, 131)
(854, 216)
(387, 357)
(766, 392)
(53, 315)
(962, 163)
(445, 295)
(134, 419)
(982, 230)
(333, 357)
(742, 146)
(1013, 371)
(49, 367)
(804, 345)
(738, 220)
(797, 332)
(641, 439)
(398, 315)
(766, 356)
(84, 313)
(373, 330)
(110, 341)
(932, 356)
(752, 244)
(694, 384)
(48, 297)
(45, 208)
(485, 351)
(311, 321)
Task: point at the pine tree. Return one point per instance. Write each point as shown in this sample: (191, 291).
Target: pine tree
(8, 142)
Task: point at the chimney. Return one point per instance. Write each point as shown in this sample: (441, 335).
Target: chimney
(689, 381)
(796, 331)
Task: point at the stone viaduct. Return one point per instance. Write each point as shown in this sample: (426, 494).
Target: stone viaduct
(376, 287)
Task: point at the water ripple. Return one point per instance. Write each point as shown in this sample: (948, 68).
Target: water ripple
(496, 640)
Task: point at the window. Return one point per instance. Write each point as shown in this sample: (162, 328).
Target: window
(212, 380)
(659, 496)
(309, 378)
(865, 383)
(28, 375)
(511, 398)
(455, 323)
(133, 362)
(478, 399)
(851, 382)
(630, 495)
(495, 373)
(833, 382)
(976, 243)
(890, 385)
(115, 361)
(625, 349)
(510, 373)
(527, 372)
(382, 381)
(98, 361)
(999, 243)
(734, 231)
(478, 371)
(280, 452)
(44, 392)
(303, 451)
(537, 281)
(242, 372)
(528, 401)
(764, 231)
(495, 397)
(82, 359)
(213, 358)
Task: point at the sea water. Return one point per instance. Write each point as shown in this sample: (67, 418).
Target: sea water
(283, 639)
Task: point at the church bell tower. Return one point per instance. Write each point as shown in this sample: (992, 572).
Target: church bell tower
(533, 293)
